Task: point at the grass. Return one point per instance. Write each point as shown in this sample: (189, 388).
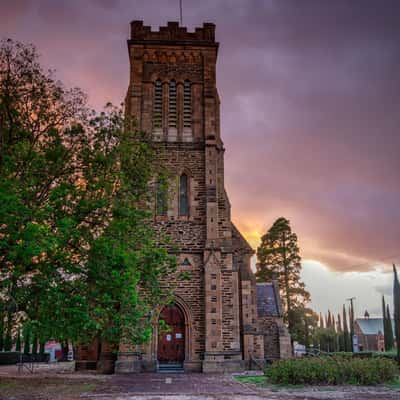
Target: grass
(259, 379)
(38, 388)
(395, 384)
(262, 381)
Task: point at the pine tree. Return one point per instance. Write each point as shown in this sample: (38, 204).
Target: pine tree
(278, 258)
(396, 301)
(18, 342)
(390, 338)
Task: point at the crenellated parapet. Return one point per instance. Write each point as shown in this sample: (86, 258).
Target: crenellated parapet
(173, 34)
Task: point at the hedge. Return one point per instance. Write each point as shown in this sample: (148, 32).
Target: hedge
(332, 371)
(13, 357)
(9, 357)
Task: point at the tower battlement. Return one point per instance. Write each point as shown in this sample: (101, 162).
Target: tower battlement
(173, 33)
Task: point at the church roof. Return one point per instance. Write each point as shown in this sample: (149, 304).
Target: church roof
(268, 300)
(371, 326)
(240, 240)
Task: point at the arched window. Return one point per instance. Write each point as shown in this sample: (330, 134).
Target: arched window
(183, 195)
(157, 108)
(161, 198)
(172, 116)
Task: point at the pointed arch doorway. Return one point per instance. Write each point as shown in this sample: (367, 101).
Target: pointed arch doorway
(171, 342)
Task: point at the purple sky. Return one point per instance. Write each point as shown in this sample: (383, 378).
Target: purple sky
(310, 96)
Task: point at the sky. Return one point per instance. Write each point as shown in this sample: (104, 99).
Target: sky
(310, 115)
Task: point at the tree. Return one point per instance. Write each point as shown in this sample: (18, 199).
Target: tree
(18, 341)
(79, 258)
(385, 324)
(396, 301)
(390, 339)
(27, 338)
(1, 332)
(278, 258)
(346, 335)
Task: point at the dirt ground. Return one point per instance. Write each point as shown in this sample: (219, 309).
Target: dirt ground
(59, 381)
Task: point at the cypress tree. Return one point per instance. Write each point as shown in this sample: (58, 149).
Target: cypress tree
(340, 333)
(8, 341)
(34, 344)
(351, 323)
(321, 321)
(27, 340)
(1, 333)
(396, 301)
(18, 342)
(346, 338)
(385, 323)
(42, 346)
(329, 320)
(390, 338)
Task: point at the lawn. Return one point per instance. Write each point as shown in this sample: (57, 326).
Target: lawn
(33, 388)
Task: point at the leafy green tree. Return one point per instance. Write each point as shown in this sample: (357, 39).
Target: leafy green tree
(396, 300)
(278, 258)
(79, 257)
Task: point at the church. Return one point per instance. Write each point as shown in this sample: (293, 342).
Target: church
(221, 320)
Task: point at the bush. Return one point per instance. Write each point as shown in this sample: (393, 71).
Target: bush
(332, 371)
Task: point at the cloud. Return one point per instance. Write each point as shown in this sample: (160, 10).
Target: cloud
(310, 98)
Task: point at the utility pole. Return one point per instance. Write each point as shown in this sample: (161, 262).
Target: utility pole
(180, 12)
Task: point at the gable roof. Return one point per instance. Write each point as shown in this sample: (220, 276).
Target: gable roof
(371, 326)
(240, 241)
(268, 300)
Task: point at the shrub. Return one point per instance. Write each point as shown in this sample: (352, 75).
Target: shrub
(332, 371)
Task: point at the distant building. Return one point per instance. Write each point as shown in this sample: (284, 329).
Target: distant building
(370, 334)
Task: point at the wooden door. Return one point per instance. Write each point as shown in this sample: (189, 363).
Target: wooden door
(171, 344)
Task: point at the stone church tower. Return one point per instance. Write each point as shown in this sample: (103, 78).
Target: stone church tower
(221, 319)
(173, 94)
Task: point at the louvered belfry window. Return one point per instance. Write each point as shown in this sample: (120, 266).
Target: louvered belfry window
(157, 108)
(172, 116)
(187, 105)
(183, 195)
